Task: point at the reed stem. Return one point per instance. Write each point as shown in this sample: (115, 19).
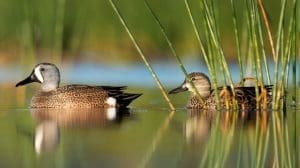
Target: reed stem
(264, 15)
(236, 36)
(146, 62)
(174, 53)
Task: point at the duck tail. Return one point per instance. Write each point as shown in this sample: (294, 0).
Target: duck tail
(126, 98)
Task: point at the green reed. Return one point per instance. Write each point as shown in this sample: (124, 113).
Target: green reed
(236, 36)
(258, 62)
(174, 53)
(267, 131)
(206, 53)
(146, 62)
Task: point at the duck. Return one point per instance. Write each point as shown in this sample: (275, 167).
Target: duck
(52, 95)
(244, 96)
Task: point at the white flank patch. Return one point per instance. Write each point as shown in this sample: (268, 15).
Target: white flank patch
(38, 74)
(111, 102)
(111, 113)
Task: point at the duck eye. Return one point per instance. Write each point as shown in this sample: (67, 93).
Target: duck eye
(42, 69)
(193, 79)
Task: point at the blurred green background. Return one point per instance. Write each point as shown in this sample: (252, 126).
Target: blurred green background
(75, 30)
(88, 39)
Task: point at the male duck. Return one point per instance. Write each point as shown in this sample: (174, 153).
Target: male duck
(73, 96)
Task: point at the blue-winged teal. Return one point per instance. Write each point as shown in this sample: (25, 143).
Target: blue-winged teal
(244, 96)
(73, 96)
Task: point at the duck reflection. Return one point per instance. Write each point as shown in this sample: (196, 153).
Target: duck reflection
(46, 137)
(47, 133)
(80, 117)
(199, 122)
(197, 125)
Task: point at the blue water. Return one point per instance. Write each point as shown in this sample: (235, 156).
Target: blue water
(134, 75)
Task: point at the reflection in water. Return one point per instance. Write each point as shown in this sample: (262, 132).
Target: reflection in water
(47, 132)
(210, 134)
(46, 137)
(80, 117)
(199, 122)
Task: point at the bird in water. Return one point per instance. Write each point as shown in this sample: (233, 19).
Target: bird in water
(245, 96)
(52, 95)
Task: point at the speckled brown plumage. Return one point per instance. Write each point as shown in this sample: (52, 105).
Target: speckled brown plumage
(73, 96)
(81, 96)
(245, 97)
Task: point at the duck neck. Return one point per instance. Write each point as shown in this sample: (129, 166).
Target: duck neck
(204, 92)
(49, 86)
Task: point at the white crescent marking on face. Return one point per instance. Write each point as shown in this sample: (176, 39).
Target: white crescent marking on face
(38, 74)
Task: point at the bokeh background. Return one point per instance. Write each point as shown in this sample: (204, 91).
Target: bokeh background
(88, 43)
(89, 31)
(86, 40)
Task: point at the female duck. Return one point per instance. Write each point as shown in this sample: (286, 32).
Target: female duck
(245, 96)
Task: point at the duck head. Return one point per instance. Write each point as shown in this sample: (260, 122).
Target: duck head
(201, 83)
(45, 73)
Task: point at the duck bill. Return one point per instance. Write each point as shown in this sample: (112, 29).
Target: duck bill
(181, 88)
(31, 78)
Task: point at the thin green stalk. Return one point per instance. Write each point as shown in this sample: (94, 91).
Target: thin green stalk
(294, 83)
(204, 157)
(258, 54)
(218, 46)
(213, 51)
(287, 145)
(236, 36)
(289, 46)
(213, 17)
(263, 51)
(266, 145)
(157, 138)
(228, 145)
(264, 15)
(249, 46)
(174, 53)
(209, 155)
(204, 53)
(278, 43)
(253, 41)
(255, 143)
(240, 149)
(259, 150)
(187, 5)
(162, 89)
(276, 157)
(280, 137)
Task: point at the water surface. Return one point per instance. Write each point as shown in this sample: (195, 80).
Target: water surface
(148, 136)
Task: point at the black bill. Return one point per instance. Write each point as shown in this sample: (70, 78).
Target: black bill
(181, 88)
(31, 78)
